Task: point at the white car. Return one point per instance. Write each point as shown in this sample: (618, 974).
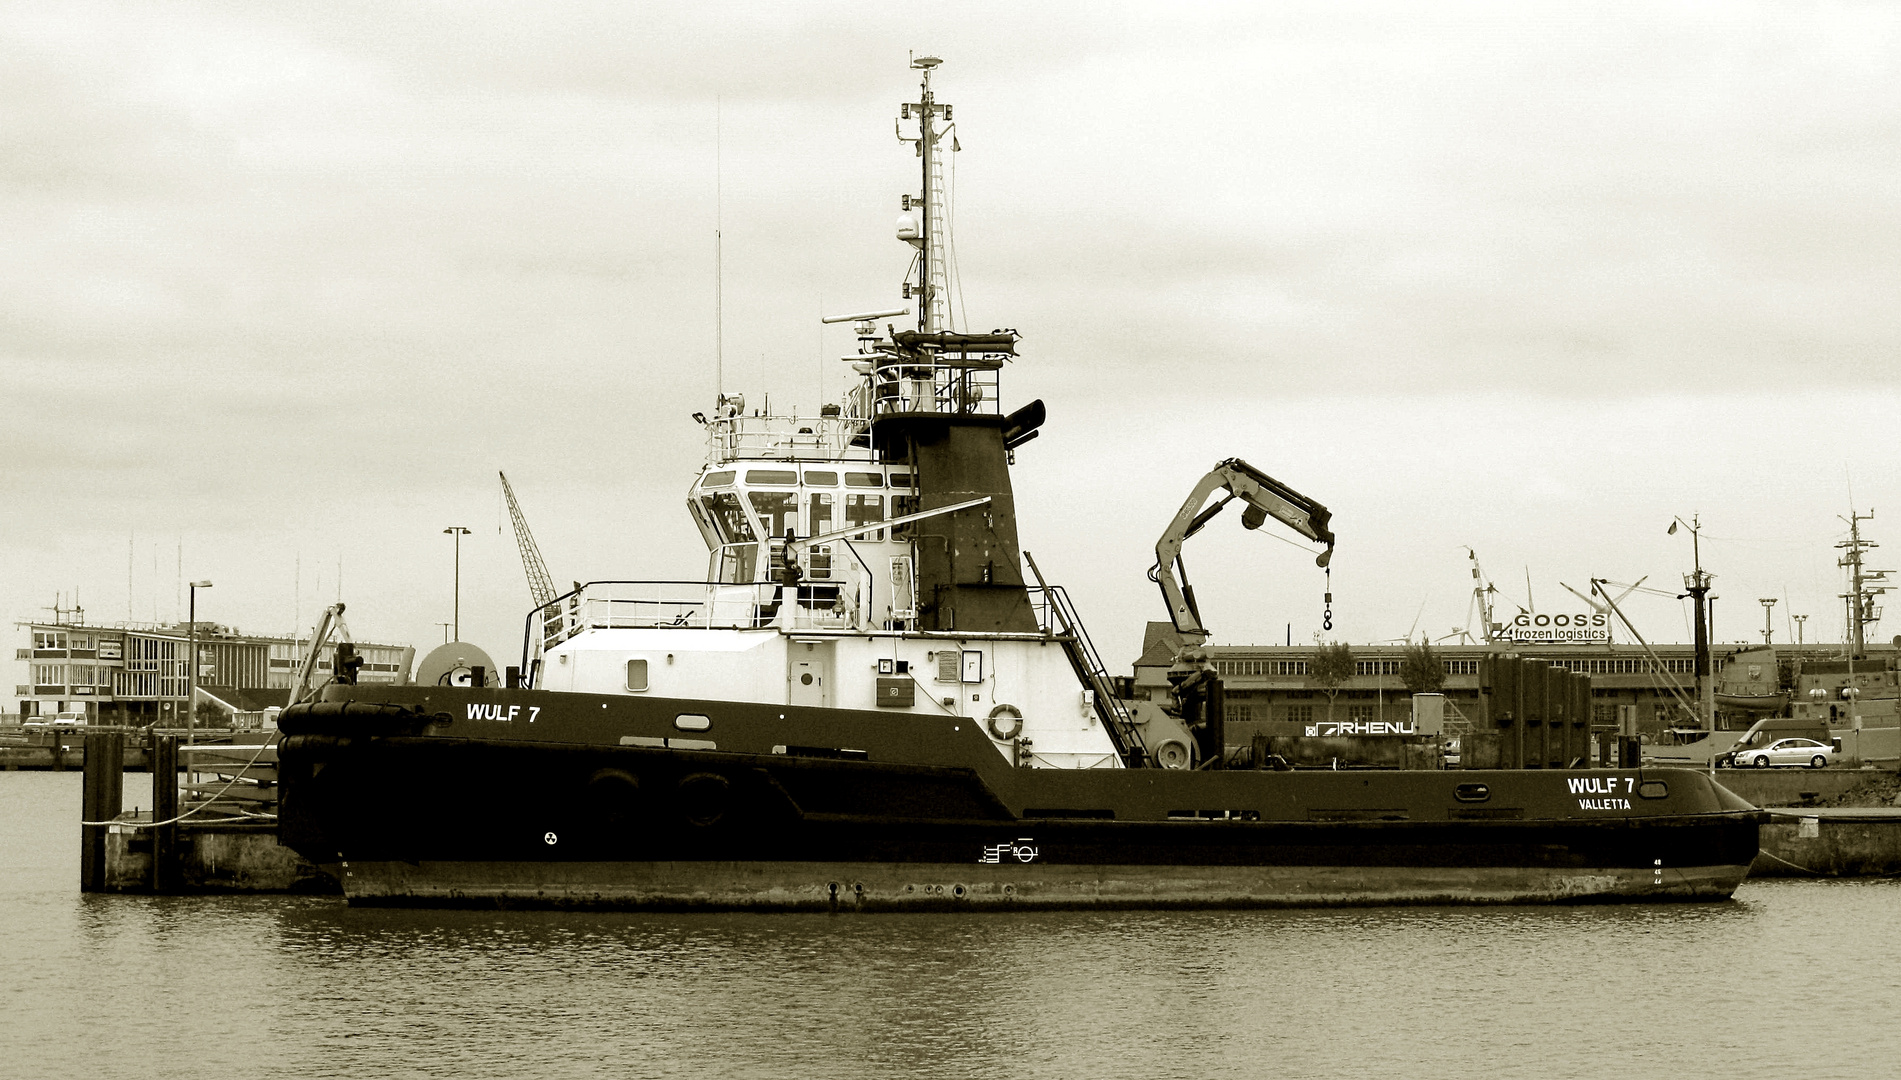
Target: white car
(1789, 752)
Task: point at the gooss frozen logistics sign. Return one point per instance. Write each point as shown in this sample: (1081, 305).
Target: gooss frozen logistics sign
(1589, 627)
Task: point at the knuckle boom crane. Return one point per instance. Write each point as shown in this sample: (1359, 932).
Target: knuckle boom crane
(1265, 497)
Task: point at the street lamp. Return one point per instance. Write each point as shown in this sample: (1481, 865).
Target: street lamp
(458, 532)
(191, 660)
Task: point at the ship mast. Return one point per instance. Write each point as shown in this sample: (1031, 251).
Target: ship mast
(932, 287)
(1863, 585)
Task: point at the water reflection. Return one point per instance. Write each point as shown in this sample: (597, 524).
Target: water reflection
(111, 986)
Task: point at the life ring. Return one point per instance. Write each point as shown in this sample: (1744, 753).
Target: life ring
(1005, 723)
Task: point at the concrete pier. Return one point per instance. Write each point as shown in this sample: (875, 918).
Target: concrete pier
(1830, 841)
(181, 848)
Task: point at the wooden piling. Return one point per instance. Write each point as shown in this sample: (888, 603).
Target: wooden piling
(164, 808)
(102, 797)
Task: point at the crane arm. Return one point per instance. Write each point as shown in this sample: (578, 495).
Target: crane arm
(332, 620)
(1265, 497)
(540, 582)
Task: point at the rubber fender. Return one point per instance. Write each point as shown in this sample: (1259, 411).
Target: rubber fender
(343, 717)
(1005, 723)
(704, 798)
(612, 798)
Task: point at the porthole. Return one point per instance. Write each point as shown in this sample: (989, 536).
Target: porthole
(692, 722)
(1471, 793)
(636, 674)
(1653, 789)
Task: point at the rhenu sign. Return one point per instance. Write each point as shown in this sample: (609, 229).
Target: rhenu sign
(1326, 728)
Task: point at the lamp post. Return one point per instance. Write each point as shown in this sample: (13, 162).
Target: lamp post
(458, 532)
(1697, 586)
(191, 660)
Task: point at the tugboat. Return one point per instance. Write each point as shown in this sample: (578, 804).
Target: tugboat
(873, 701)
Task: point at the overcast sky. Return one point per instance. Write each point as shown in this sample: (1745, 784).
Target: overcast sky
(286, 284)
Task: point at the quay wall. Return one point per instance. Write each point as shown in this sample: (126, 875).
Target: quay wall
(227, 858)
(1790, 787)
(1830, 842)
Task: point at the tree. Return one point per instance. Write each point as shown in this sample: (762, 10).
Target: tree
(210, 715)
(1331, 666)
(1421, 672)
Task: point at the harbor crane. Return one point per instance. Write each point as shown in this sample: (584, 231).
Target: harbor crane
(540, 584)
(1490, 629)
(1266, 497)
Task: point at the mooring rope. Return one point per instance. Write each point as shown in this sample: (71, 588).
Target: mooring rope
(203, 805)
(1786, 862)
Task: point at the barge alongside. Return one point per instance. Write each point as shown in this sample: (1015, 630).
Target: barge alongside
(868, 704)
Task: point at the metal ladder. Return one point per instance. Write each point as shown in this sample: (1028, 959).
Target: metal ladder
(1089, 667)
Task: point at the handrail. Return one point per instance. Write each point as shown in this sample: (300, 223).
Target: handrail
(696, 604)
(1089, 667)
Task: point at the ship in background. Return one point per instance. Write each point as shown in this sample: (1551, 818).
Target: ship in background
(873, 700)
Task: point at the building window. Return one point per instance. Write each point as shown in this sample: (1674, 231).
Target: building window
(1462, 667)
(1376, 667)
(1231, 711)
(49, 639)
(1300, 714)
(1360, 714)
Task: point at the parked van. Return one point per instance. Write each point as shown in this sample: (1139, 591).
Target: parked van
(1769, 729)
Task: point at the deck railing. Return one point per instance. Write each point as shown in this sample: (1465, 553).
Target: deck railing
(838, 604)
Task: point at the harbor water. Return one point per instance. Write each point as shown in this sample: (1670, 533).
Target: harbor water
(1792, 978)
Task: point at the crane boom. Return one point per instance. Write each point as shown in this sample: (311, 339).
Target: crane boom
(1266, 497)
(540, 584)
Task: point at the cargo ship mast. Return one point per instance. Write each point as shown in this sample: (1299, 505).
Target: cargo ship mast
(1863, 586)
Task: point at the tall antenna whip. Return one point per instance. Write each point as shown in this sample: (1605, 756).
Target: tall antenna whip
(719, 259)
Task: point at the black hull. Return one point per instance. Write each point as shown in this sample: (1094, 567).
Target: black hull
(419, 812)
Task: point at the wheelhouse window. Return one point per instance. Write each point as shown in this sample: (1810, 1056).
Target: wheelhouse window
(819, 517)
(777, 510)
(861, 510)
(717, 479)
(736, 564)
(820, 478)
(729, 517)
(771, 476)
(900, 506)
(864, 480)
(636, 674)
